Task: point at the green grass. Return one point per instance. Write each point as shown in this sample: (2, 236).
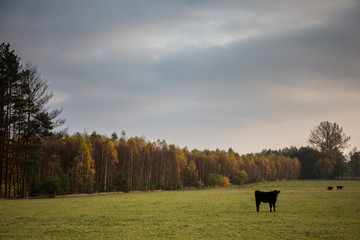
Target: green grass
(305, 210)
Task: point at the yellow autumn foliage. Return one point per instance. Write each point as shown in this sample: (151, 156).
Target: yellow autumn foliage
(225, 181)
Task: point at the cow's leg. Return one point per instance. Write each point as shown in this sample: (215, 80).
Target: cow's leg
(257, 207)
(270, 207)
(274, 207)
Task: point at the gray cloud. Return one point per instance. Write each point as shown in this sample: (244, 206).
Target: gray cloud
(199, 73)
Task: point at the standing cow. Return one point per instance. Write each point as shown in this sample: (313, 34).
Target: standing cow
(266, 197)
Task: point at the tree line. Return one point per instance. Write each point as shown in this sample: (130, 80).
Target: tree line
(326, 165)
(324, 157)
(35, 159)
(83, 163)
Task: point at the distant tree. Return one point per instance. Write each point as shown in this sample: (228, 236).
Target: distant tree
(114, 136)
(215, 179)
(64, 182)
(324, 167)
(328, 136)
(355, 163)
(340, 166)
(330, 140)
(9, 80)
(200, 184)
(121, 183)
(225, 181)
(242, 177)
(111, 160)
(83, 170)
(307, 157)
(106, 159)
(191, 174)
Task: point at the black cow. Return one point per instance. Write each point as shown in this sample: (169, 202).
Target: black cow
(339, 187)
(330, 188)
(266, 197)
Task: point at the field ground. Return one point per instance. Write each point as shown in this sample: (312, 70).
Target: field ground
(305, 210)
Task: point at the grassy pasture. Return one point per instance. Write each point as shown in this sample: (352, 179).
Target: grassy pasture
(305, 210)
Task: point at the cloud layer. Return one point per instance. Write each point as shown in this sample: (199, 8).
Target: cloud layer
(202, 74)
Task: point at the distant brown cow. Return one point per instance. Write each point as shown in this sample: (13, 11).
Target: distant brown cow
(339, 187)
(330, 188)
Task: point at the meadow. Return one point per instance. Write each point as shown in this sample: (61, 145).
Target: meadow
(305, 210)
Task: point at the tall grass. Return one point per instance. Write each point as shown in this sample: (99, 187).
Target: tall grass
(305, 210)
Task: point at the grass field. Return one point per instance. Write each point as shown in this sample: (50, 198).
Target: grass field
(305, 210)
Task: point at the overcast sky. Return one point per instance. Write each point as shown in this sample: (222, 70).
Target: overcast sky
(203, 74)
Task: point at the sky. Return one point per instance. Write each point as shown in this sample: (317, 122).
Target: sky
(205, 74)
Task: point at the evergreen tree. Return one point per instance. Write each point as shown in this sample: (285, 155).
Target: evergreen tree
(24, 121)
